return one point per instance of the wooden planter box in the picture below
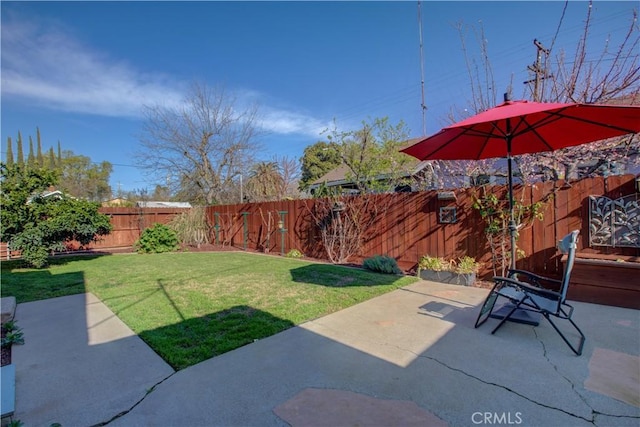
(448, 277)
(602, 279)
(8, 384)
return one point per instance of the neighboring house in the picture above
(50, 193)
(118, 202)
(163, 205)
(418, 174)
(416, 170)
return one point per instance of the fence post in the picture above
(281, 226)
(216, 226)
(245, 229)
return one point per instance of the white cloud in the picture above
(287, 122)
(279, 120)
(51, 69)
(46, 66)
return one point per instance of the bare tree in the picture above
(347, 222)
(205, 144)
(291, 173)
(611, 76)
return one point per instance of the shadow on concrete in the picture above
(415, 344)
(80, 364)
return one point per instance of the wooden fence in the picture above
(408, 229)
(127, 224)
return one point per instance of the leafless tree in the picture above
(611, 76)
(205, 144)
(347, 222)
(291, 173)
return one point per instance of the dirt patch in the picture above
(6, 351)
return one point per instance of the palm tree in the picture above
(265, 182)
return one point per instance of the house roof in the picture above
(338, 175)
(163, 204)
(46, 195)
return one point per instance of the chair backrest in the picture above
(568, 246)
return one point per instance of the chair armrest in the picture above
(534, 278)
(527, 287)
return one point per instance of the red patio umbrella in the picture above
(521, 127)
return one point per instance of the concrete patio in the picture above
(410, 357)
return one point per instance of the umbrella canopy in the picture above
(529, 127)
(522, 127)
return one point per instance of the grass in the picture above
(192, 306)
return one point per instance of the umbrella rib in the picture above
(450, 141)
(592, 122)
(533, 128)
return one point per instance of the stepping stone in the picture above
(8, 308)
(324, 407)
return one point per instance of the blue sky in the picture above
(81, 71)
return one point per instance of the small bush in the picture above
(466, 265)
(156, 239)
(294, 253)
(191, 227)
(13, 334)
(382, 264)
(434, 263)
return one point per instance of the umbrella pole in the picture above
(512, 222)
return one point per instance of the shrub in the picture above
(428, 262)
(191, 227)
(466, 265)
(38, 225)
(382, 264)
(156, 239)
(13, 334)
(294, 253)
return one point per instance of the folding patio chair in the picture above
(527, 291)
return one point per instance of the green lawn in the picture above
(191, 306)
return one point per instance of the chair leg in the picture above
(505, 318)
(578, 350)
(487, 308)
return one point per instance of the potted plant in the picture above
(460, 272)
(11, 335)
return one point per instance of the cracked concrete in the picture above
(80, 365)
(416, 346)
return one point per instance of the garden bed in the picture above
(606, 279)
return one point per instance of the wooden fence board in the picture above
(408, 230)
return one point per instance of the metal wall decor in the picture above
(614, 222)
(448, 215)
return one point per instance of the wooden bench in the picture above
(606, 279)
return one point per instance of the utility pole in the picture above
(538, 70)
(424, 107)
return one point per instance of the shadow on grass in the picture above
(33, 285)
(58, 259)
(194, 340)
(339, 277)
